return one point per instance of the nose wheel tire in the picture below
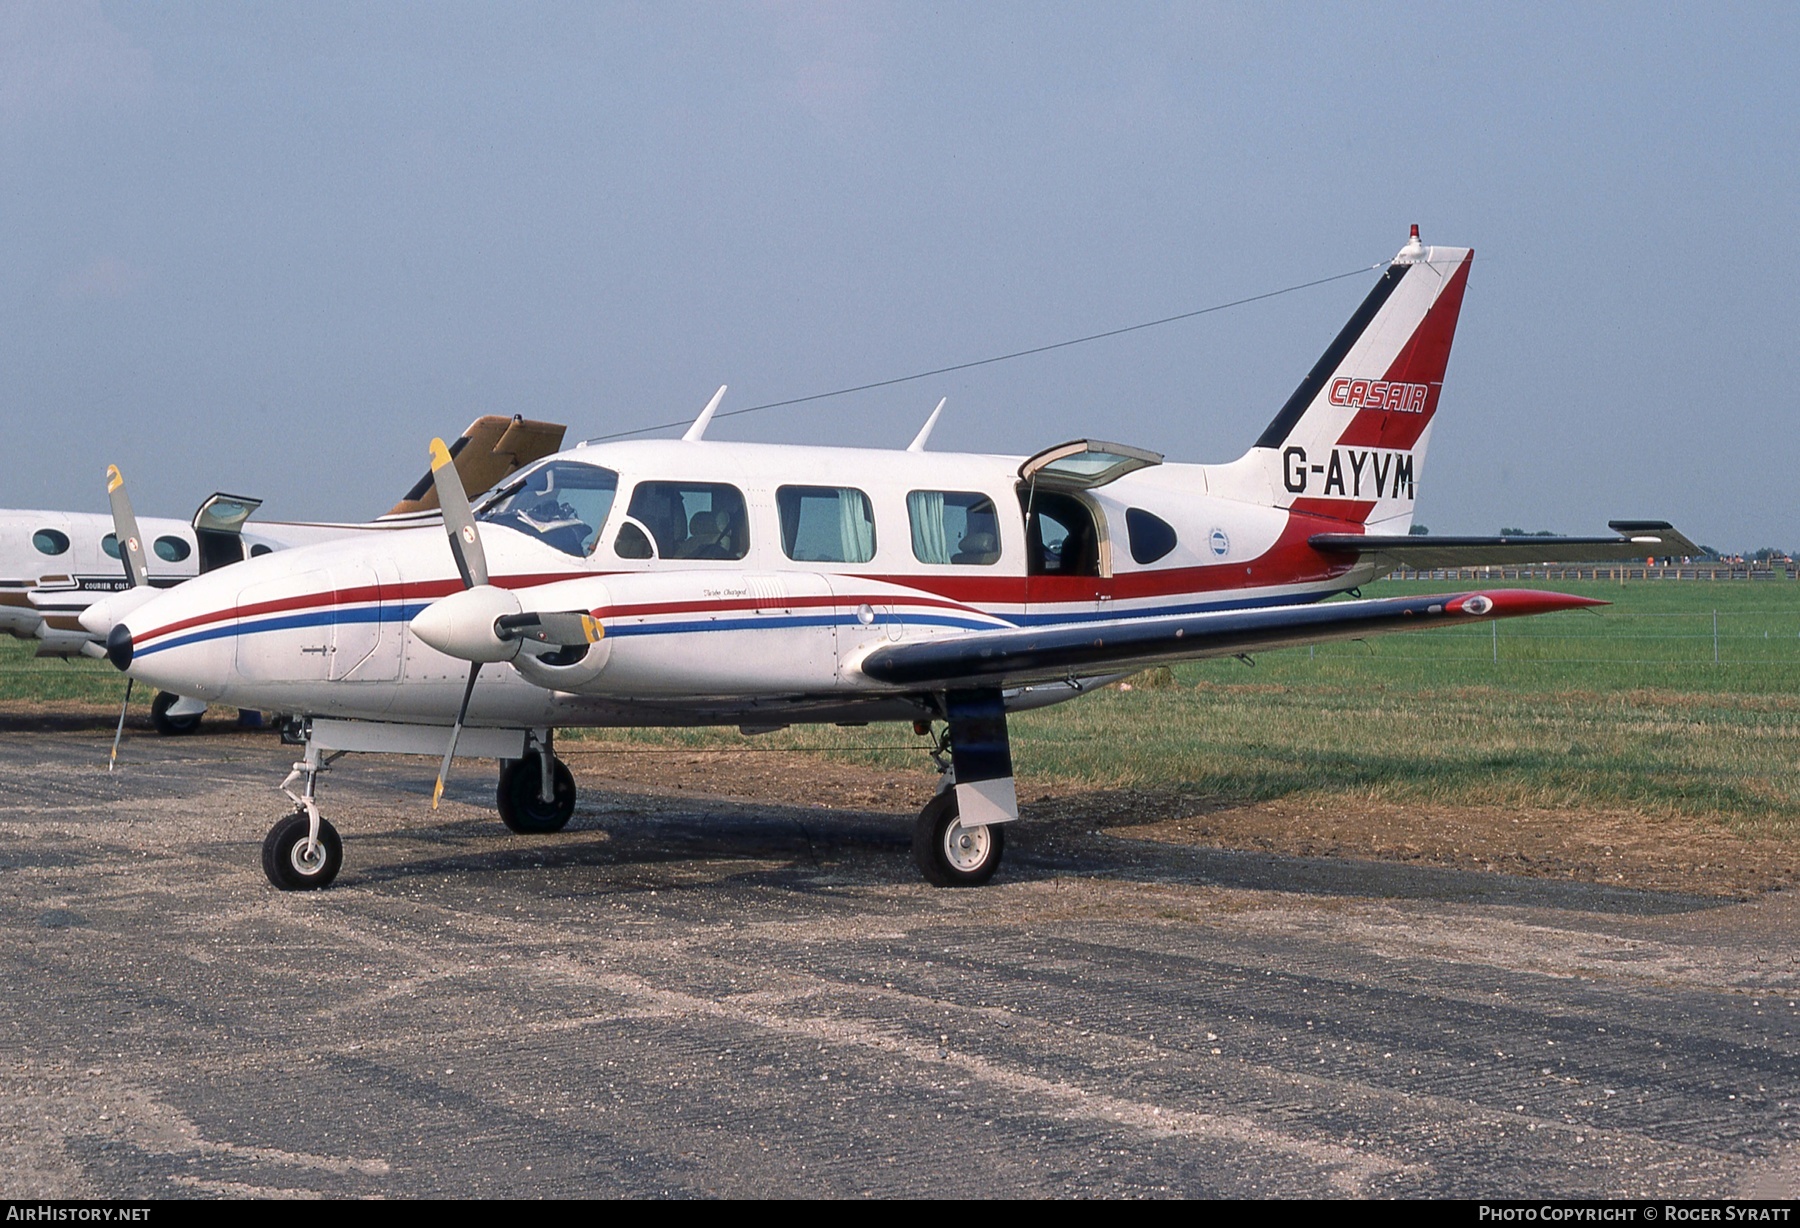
(951, 855)
(291, 865)
(520, 799)
(166, 724)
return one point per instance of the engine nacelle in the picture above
(462, 624)
(565, 668)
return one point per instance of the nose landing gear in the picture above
(303, 852)
(295, 859)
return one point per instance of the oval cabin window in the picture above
(50, 541)
(1151, 536)
(172, 549)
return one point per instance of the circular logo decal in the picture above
(468, 533)
(1221, 544)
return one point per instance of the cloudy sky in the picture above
(275, 248)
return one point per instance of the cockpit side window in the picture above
(562, 504)
(689, 520)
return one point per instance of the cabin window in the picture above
(172, 549)
(1060, 537)
(953, 526)
(1151, 536)
(50, 541)
(110, 544)
(689, 520)
(826, 524)
(562, 504)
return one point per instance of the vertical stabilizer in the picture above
(1350, 442)
(492, 448)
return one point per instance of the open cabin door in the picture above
(1068, 559)
(219, 529)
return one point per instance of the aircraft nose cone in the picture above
(119, 647)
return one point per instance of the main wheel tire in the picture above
(287, 862)
(171, 725)
(950, 855)
(519, 801)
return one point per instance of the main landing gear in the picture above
(525, 804)
(177, 722)
(303, 851)
(958, 838)
(949, 854)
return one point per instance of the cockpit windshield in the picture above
(562, 504)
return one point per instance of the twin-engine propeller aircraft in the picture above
(54, 565)
(688, 582)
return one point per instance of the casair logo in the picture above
(1353, 473)
(1379, 394)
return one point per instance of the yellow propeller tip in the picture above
(440, 455)
(114, 479)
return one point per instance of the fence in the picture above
(1619, 572)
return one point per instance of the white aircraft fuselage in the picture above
(762, 637)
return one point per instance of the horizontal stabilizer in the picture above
(1637, 539)
(1014, 656)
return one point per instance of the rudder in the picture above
(1349, 443)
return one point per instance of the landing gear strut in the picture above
(302, 852)
(958, 837)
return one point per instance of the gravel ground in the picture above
(709, 986)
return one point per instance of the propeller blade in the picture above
(455, 733)
(459, 522)
(565, 629)
(120, 732)
(125, 529)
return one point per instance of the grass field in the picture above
(1638, 706)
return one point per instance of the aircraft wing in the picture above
(1027, 654)
(1636, 539)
